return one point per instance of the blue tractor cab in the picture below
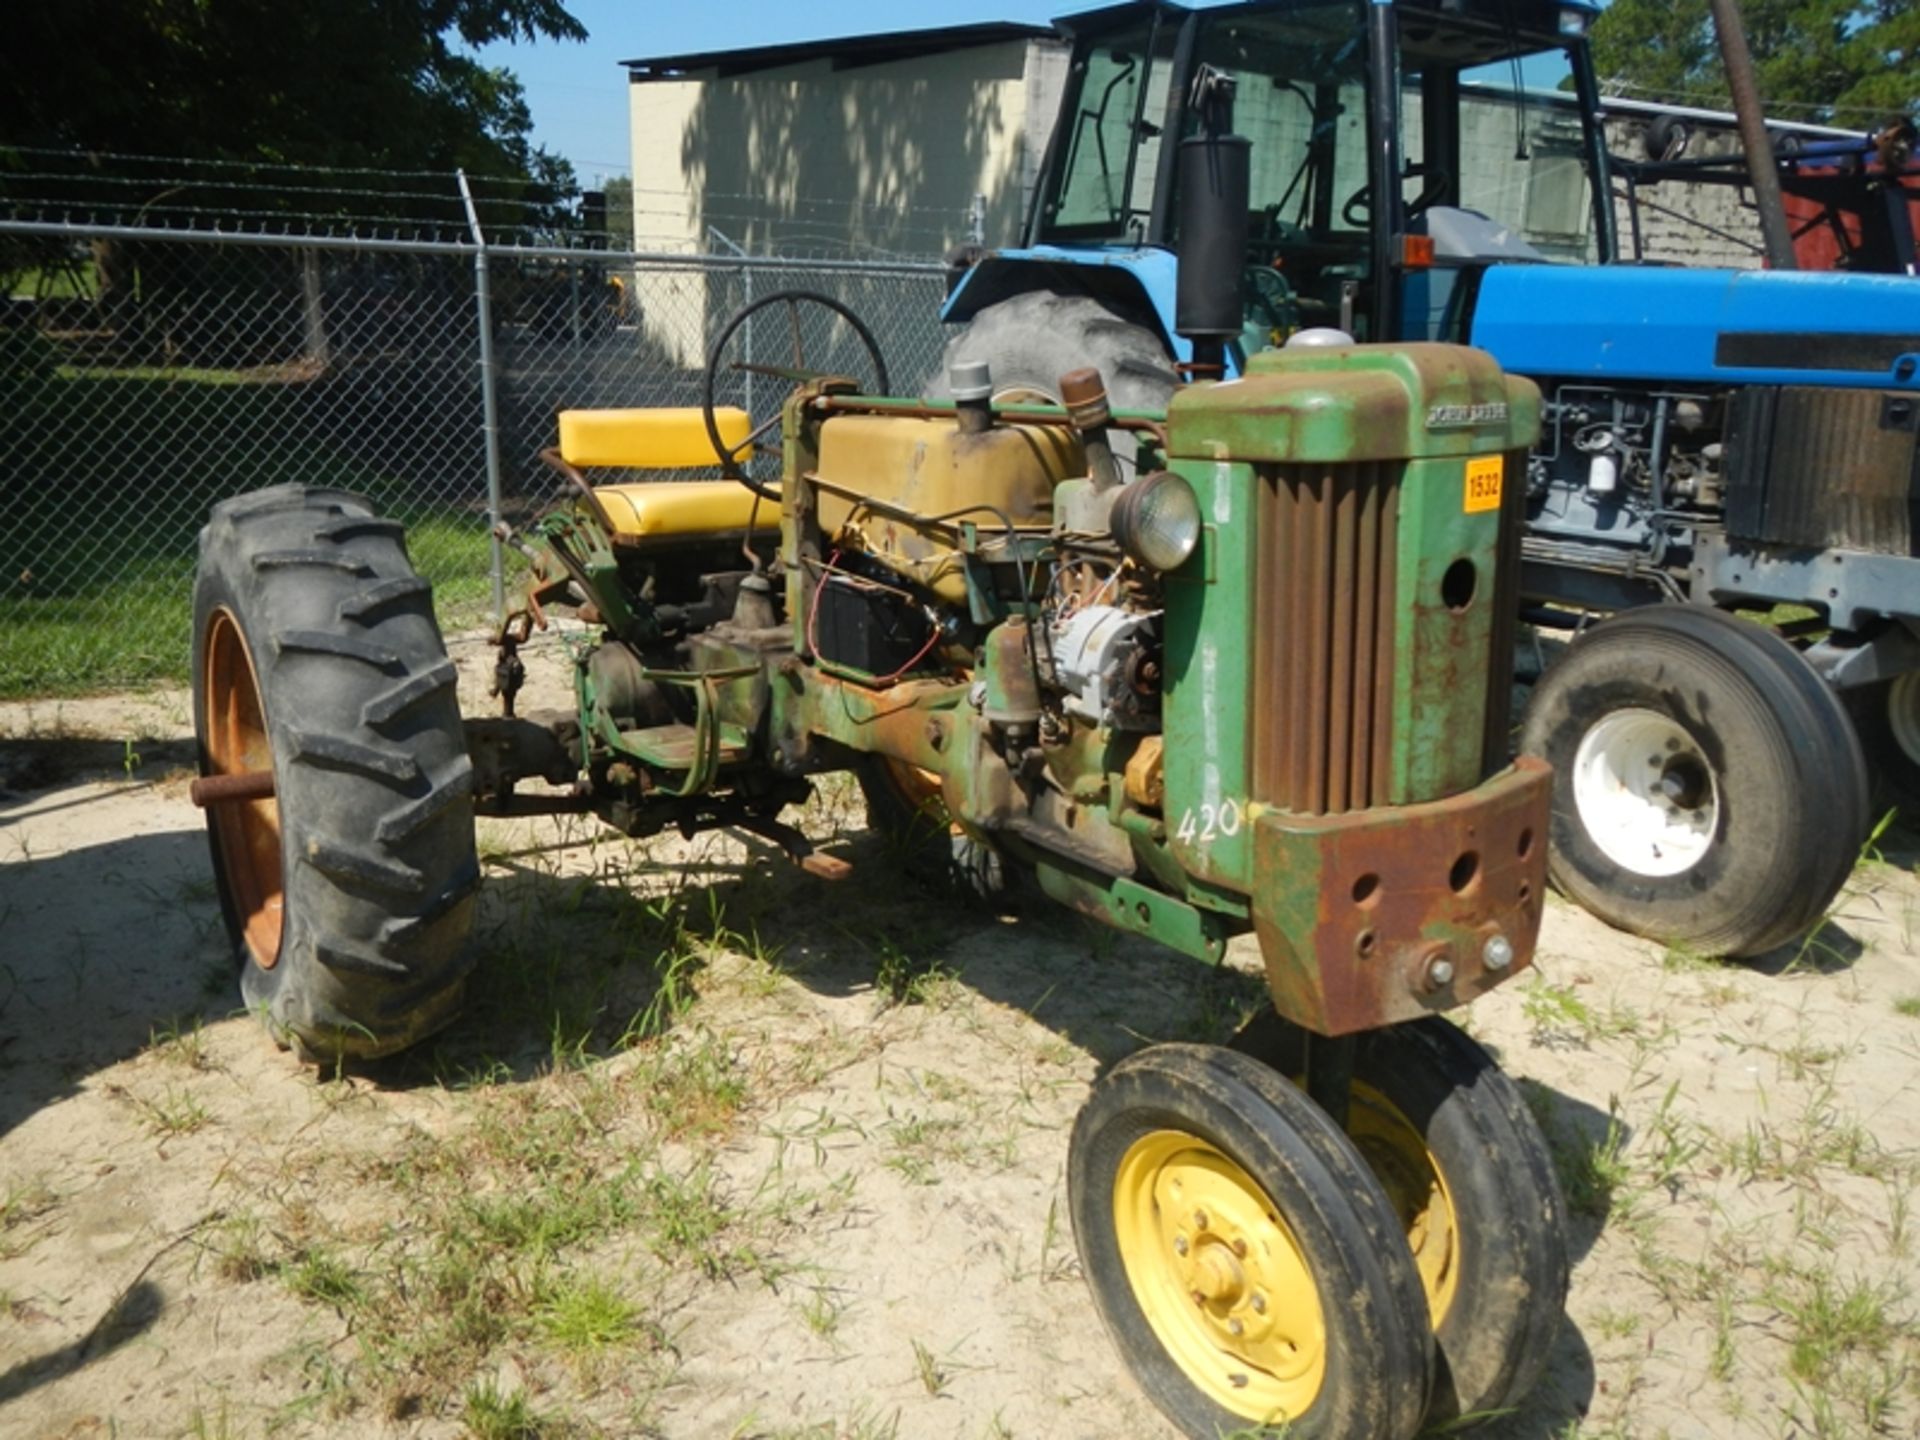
(1355, 112)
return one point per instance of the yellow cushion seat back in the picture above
(662, 439)
(683, 509)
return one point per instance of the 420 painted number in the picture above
(1204, 824)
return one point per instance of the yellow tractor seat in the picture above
(663, 439)
(683, 509)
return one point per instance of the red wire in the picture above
(813, 608)
(889, 679)
(813, 620)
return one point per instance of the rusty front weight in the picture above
(1377, 916)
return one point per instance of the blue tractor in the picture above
(1719, 446)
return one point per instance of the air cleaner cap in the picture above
(970, 380)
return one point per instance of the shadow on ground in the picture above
(31, 765)
(103, 945)
(132, 1315)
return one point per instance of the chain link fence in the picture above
(146, 373)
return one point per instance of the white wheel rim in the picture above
(1645, 793)
(1903, 713)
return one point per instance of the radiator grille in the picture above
(1323, 651)
(1824, 468)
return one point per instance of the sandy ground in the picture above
(867, 1095)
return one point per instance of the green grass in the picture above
(490, 1414)
(907, 980)
(21, 1203)
(323, 1277)
(172, 1113)
(584, 1317)
(112, 472)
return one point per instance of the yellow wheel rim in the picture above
(1397, 1154)
(1220, 1277)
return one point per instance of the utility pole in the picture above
(1761, 168)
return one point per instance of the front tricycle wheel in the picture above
(1471, 1182)
(1245, 1262)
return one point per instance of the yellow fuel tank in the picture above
(930, 467)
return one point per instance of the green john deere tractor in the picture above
(1247, 676)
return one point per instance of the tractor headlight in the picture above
(1156, 519)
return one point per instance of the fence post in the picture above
(489, 399)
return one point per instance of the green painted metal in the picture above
(1207, 703)
(1347, 404)
(580, 535)
(1441, 659)
(1429, 409)
(1128, 906)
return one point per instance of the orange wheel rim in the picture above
(918, 788)
(246, 833)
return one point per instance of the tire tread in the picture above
(379, 868)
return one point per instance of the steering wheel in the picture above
(831, 339)
(1270, 304)
(1359, 204)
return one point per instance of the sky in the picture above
(578, 92)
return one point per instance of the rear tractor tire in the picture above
(1244, 1260)
(1887, 716)
(348, 893)
(1029, 341)
(1709, 790)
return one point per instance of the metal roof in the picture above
(846, 52)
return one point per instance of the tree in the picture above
(376, 83)
(1853, 62)
(620, 213)
(233, 93)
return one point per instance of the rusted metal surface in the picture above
(1763, 172)
(909, 490)
(1012, 414)
(1355, 404)
(232, 788)
(916, 722)
(1324, 649)
(1371, 918)
(551, 458)
(506, 749)
(825, 867)
(1085, 396)
(236, 742)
